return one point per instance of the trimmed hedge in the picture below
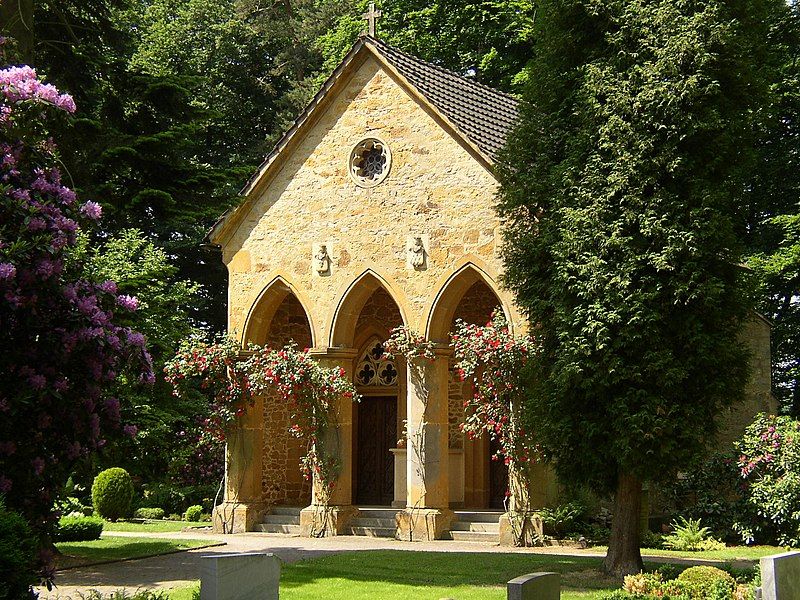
(112, 493)
(149, 513)
(73, 528)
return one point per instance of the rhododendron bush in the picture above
(231, 379)
(63, 342)
(494, 360)
(770, 466)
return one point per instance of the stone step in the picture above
(279, 519)
(479, 516)
(286, 510)
(276, 528)
(371, 522)
(473, 536)
(377, 513)
(477, 527)
(387, 532)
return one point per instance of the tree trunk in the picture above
(624, 557)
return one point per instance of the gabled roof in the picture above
(477, 114)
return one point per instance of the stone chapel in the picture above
(374, 210)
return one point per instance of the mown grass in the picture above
(153, 526)
(119, 548)
(729, 554)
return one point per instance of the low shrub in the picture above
(149, 513)
(125, 595)
(193, 513)
(563, 519)
(18, 556)
(76, 527)
(205, 518)
(174, 499)
(708, 582)
(689, 535)
(112, 493)
(175, 517)
(650, 539)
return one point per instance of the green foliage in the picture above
(112, 493)
(126, 595)
(770, 466)
(562, 519)
(149, 513)
(193, 513)
(708, 581)
(711, 489)
(18, 556)
(688, 535)
(650, 539)
(78, 528)
(175, 499)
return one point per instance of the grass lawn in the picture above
(727, 555)
(153, 526)
(119, 548)
(398, 575)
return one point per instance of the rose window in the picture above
(369, 162)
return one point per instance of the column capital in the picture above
(333, 352)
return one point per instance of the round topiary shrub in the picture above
(18, 555)
(705, 581)
(112, 493)
(193, 513)
(74, 528)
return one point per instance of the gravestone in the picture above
(780, 576)
(240, 577)
(535, 586)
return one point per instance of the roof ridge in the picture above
(431, 65)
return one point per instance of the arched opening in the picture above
(478, 481)
(278, 319)
(364, 321)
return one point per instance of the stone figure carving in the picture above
(322, 260)
(416, 253)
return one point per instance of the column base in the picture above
(521, 530)
(316, 521)
(423, 524)
(237, 517)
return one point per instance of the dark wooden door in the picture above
(498, 477)
(377, 433)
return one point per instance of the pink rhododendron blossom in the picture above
(7, 271)
(128, 302)
(130, 430)
(92, 210)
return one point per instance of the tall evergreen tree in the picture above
(622, 189)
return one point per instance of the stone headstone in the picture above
(780, 576)
(535, 586)
(240, 577)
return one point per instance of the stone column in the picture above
(314, 521)
(427, 515)
(243, 506)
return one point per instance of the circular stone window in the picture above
(370, 161)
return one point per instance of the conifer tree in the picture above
(622, 190)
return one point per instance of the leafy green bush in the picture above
(18, 550)
(112, 493)
(650, 539)
(193, 513)
(74, 528)
(708, 582)
(562, 519)
(125, 595)
(690, 536)
(176, 499)
(770, 465)
(149, 513)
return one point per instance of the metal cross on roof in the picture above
(371, 17)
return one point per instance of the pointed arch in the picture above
(349, 307)
(265, 306)
(451, 291)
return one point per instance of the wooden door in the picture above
(498, 478)
(377, 433)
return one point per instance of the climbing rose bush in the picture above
(770, 467)
(62, 337)
(404, 341)
(232, 379)
(494, 360)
